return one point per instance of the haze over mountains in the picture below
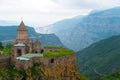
(60, 26)
(81, 31)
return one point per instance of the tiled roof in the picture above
(22, 26)
(20, 44)
(30, 55)
(22, 58)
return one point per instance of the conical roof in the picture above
(22, 26)
(37, 41)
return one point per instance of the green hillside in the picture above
(100, 58)
(113, 76)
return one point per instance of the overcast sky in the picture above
(45, 12)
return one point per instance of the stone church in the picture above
(26, 53)
(23, 44)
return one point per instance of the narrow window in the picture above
(36, 52)
(19, 52)
(52, 60)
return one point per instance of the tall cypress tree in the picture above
(1, 46)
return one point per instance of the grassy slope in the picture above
(102, 56)
(59, 53)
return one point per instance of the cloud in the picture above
(45, 12)
(37, 12)
(88, 4)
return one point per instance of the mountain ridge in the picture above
(8, 33)
(79, 32)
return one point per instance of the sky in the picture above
(39, 13)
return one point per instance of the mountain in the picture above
(79, 32)
(101, 58)
(8, 33)
(62, 29)
(8, 22)
(60, 26)
(94, 27)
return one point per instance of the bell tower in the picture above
(22, 31)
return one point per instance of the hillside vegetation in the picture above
(112, 76)
(100, 58)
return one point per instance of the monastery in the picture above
(25, 53)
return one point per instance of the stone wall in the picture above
(59, 60)
(23, 64)
(4, 61)
(56, 60)
(57, 68)
(60, 68)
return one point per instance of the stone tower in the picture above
(23, 44)
(37, 47)
(22, 31)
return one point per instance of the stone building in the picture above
(23, 44)
(26, 53)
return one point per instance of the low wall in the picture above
(4, 61)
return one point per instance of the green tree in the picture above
(7, 49)
(3, 74)
(12, 73)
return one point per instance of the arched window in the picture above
(42, 51)
(19, 52)
(36, 52)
